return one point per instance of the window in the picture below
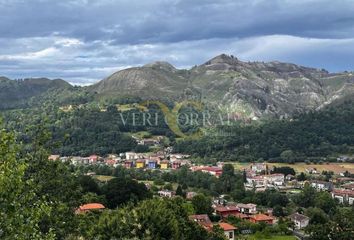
(231, 235)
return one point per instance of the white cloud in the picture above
(47, 52)
(87, 62)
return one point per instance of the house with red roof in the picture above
(228, 229)
(128, 164)
(203, 220)
(176, 164)
(93, 159)
(258, 218)
(110, 162)
(225, 211)
(242, 216)
(215, 171)
(89, 207)
(343, 195)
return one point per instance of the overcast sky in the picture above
(83, 41)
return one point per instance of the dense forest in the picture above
(82, 124)
(311, 135)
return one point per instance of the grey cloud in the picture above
(172, 21)
(84, 63)
(85, 40)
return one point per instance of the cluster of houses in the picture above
(159, 160)
(204, 221)
(258, 177)
(246, 212)
(344, 193)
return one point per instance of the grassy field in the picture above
(301, 167)
(103, 178)
(142, 134)
(128, 107)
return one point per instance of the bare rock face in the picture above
(253, 88)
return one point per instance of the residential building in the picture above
(349, 186)
(166, 193)
(215, 171)
(89, 207)
(110, 162)
(225, 211)
(176, 164)
(300, 221)
(343, 195)
(79, 160)
(128, 164)
(276, 179)
(242, 216)
(322, 185)
(131, 156)
(228, 229)
(54, 157)
(203, 220)
(152, 164)
(256, 182)
(258, 218)
(93, 159)
(164, 164)
(261, 181)
(311, 170)
(247, 208)
(148, 142)
(259, 167)
(140, 163)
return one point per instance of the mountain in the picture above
(253, 88)
(17, 93)
(156, 79)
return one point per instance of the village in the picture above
(258, 177)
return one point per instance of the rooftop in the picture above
(298, 217)
(226, 226)
(262, 217)
(91, 206)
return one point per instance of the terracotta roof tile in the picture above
(226, 226)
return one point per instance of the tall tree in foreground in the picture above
(150, 219)
(20, 208)
(55, 182)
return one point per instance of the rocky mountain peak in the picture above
(255, 88)
(161, 65)
(223, 58)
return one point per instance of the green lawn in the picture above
(103, 178)
(142, 134)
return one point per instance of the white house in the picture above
(258, 167)
(247, 208)
(166, 193)
(343, 195)
(299, 220)
(322, 185)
